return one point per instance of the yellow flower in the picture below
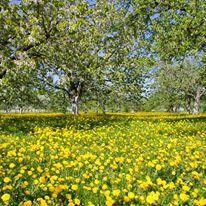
(27, 203)
(7, 187)
(36, 181)
(90, 204)
(96, 182)
(77, 201)
(95, 189)
(184, 197)
(110, 201)
(39, 169)
(6, 197)
(107, 193)
(201, 202)
(42, 202)
(7, 179)
(131, 195)
(12, 165)
(126, 199)
(104, 187)
(186, 188)
(171, 185)
(74, 187)
(152, 197)
(158, 167)
(54, 195)
(116, 193)
(68, 196)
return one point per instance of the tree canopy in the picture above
(103, 51)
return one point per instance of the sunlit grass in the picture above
(117, 159)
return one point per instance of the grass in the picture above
(117, 159)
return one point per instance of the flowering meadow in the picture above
(117, 159)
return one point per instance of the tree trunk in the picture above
(196, 102)
(196, 105)
(103, 105)
(2, 73)
(97, 107)
(199, 93)
(188, 102)
(174, 108)
(119, 107)
(75, 108)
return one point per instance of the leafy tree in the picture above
(175, 27)
(20, 90)
(95, 44)
(180, 85)
(26, 27)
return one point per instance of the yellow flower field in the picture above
(128, 159)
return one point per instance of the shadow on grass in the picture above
(194, 119)
(25, 124)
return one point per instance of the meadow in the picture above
(117, 159)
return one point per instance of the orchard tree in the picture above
(25, 28)
(94, 43)
(181, 85)
(175, 27)
(175, 30)
(20, 89)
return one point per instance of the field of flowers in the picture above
(128, 159)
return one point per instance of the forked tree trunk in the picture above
(97, 108)
(75, 102)
(175, 108)
(119, 107)
(188, 104)
(103, 105)
(2, 73)
(172, 108)
(199, 93)
(76, 89)
(196, 105)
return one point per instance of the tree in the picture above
(25, 27)
(175, 27)
(181, 85)
(94, 42)
(20, 90)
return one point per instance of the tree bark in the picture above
(188, 104)
(173, 108)
(75, 92)
(2, 73)
(97, 107)
(196, 105)
(75, 109)
(199, 93)
(119, 107)
(103, 105)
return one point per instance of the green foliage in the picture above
(177, 86)
(175, 27)
(102, 52)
